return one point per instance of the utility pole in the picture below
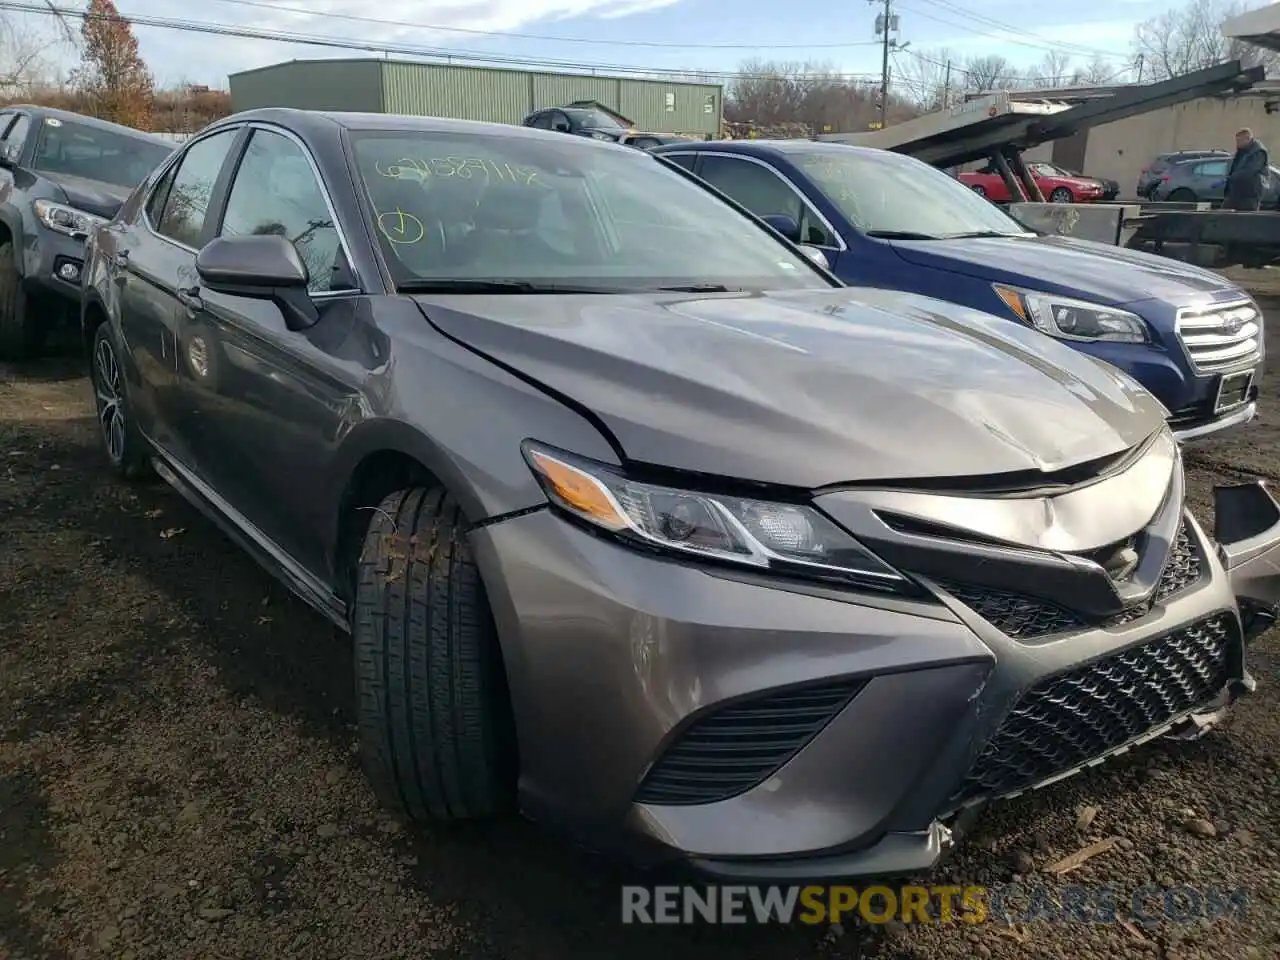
(886, 27)
(1141, 58)
(946, 87)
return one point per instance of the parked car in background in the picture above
(1056, 188)
(1149, 177)
(61, 174)
(1040, 168)
(598, 124)
(1204, 180)
(881, 219)
(639, 520)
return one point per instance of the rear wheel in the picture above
(1182, 195)
(1061, 195)
(979, 190)
(435, 722)
(124, 447)
(21, 338)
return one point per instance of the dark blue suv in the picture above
(881, 219)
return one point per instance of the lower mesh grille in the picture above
(1028, 618)
(731, 750)
(1072, 718)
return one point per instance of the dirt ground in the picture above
(178, 776)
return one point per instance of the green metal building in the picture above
(473, 93)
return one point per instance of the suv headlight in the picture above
(1070, 319)
(68, 220)
(784, 538)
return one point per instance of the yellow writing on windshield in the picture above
(463, 168)
(400, 227)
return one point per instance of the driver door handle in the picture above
(190, 298)
(122, 259)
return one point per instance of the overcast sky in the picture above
(713, 35)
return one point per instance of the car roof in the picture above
(86, 121)
(778, 148)
(321, 122)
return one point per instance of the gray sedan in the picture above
(642, 523)
(1204, 180)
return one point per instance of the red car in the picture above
(1055, 187)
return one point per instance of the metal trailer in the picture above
(998, 128)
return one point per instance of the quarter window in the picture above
(276, 192)
(1217, 168)
(765, 194)
(187, 204)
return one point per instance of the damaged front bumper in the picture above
(1246, 531)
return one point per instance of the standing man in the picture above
(1249, 168)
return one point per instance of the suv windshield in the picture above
(466, 207)
(80, 150)
(883, 193)
(593, 118)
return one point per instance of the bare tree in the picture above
(992, 72)
(1053, 71)
(931, 79)
(770, 95)
(1098, 72)
(28, 57)
(1190, 38)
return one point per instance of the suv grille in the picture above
(1221, 336)
(733, 749)
(1073, 718)
(1029, 618)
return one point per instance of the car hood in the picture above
(91, 196)
(1094, 271)
(812, 388)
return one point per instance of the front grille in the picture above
(1030, 618)
(1220, 336)
(733, 749)
(1070, 719)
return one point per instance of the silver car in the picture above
(641, 522)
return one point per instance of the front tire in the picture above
(1061, 195)
(20, 336)
(979, 190)
(434, 716)
(124, 446)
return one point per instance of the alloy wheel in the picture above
(109, 394)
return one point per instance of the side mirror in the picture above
(264, 268)
(784, 224)
(816, 255)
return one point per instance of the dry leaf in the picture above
(1133, 931)
(1075, 860)
(171, 532)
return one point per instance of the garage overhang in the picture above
(1259, 27)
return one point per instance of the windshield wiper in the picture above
(973, 234)
(700, 288)
(462, 285)
(902, 235)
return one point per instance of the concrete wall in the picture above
(1120, 150)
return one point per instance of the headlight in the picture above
(68, 220)
(1069, 319)
(785, 538)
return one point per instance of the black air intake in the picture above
(728, 751)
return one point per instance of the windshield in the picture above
(109, 156)
(884, 193)
(467, 207)
(594, 118)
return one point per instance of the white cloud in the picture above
(204, 58)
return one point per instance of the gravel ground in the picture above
(178, 776)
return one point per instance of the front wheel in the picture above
(21, 336)
(1061, 195)
(979, 190)
(434, 716)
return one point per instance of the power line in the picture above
(1011, 34)
(506, 34)
(447, 55)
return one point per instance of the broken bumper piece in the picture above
(1247, 533)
